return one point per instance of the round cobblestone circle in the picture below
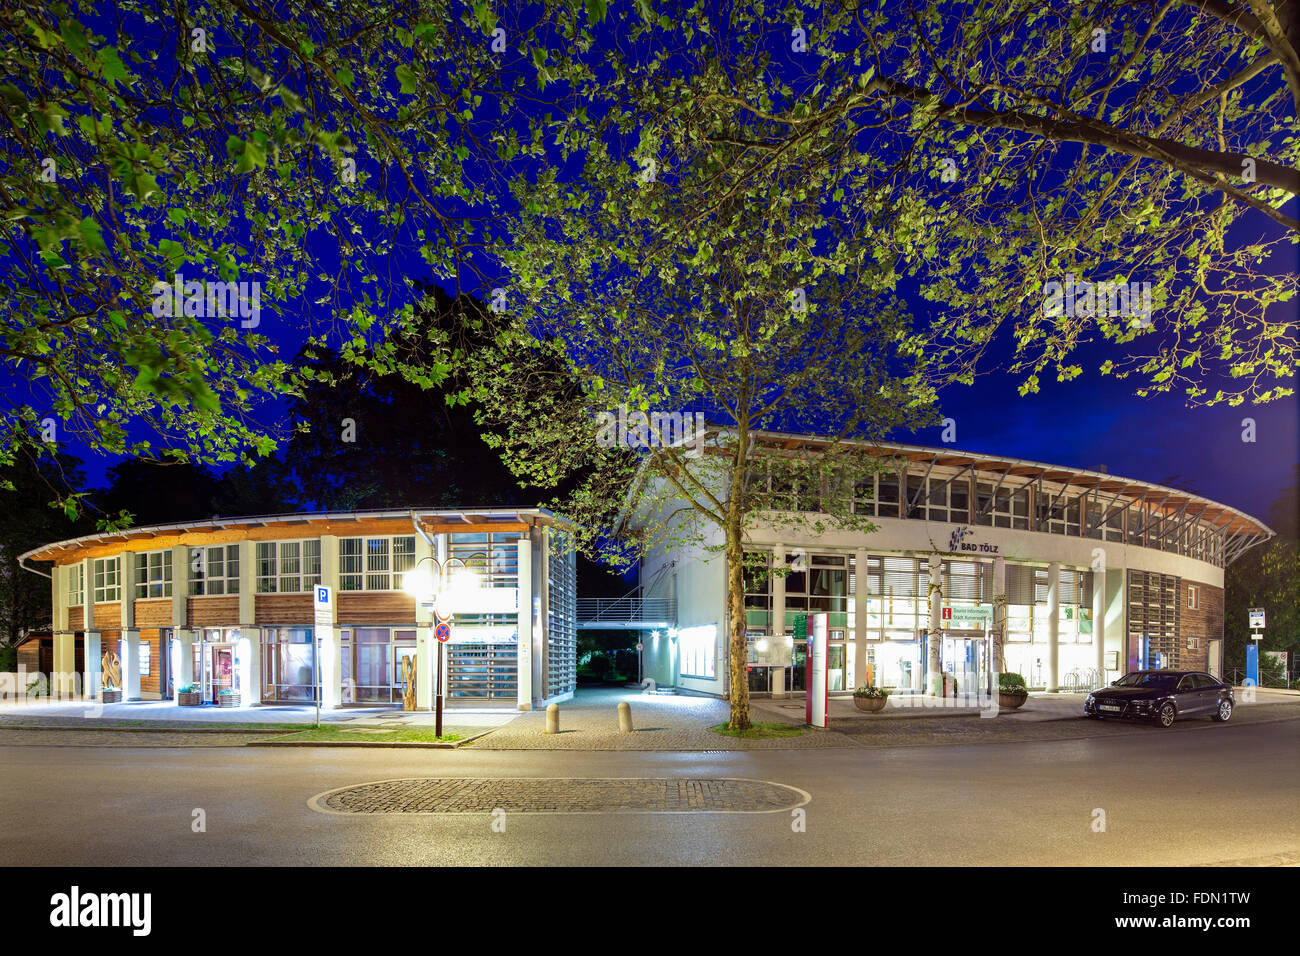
(561, 795)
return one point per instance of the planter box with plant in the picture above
(189, 696)
(1012, 691)
(228, 698)
(111, 695)
(870, 698)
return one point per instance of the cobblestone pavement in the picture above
(590, 722)
(560, 795)
(122, 738)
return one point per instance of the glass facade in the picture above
(958, 496)
(214, 570)
(153, 574)
(288, 664)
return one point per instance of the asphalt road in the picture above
(1205, 795)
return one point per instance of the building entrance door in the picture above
(220, 672)
(966, 658)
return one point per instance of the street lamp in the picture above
(429, 586)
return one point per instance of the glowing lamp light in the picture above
(420, 583)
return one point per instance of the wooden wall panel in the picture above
(108, 614)
(284, 610)
(153, 612)
(151, 683)
(381, 608)
(76, 618)
(222, 611)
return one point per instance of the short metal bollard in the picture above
(624, 717)
(552, 718)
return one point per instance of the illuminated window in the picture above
(76, 584)
(287, 566)
(153, 574)
(214, 570)
(107, 573)
(698, 649)
(375, 564)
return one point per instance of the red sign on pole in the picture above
(443, 631)
(947, 614)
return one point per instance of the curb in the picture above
(393, 744)
(147, 730)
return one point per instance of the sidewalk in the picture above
(166, 713)
(1040, 706)
(679, 723)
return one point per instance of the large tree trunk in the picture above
(739, 651)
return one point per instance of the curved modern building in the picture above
(231, 607)
(1082, 574)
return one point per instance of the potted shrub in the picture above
(1012, 691)
(111, 694)
(187, 695)
(228, 698)
(870, 698)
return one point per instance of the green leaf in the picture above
(406, 77)
(92, 236)
(486, 16)
(596, 10)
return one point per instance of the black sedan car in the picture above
(1162, 696)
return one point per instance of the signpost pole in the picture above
(437, 703)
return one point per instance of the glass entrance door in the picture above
(221, 671)
(835, 668)
(966, 659)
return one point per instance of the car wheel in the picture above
(1224, 711)
(1167, 714)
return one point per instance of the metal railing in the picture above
(627, 612)
(1237, 677)
(1082, 680)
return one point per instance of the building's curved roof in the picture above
(1223, 517)
(1241, 531)
(431, 520)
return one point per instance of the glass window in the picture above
(107, 574)
(153, 574)
(375, 564)
(214, 570)
(288, 566)
(698, 651)
(76, 584)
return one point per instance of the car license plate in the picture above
(1114, 707)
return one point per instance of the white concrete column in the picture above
(524, 624)
(181, 589)
(933, 676)
(63, 681)
(130, 665)
(1099, 619)
(87, 594)
(426, 666)
(778, 592)
(59, 596)
(1054, 626)
(94, 663)
(541, 543)
(999, 637)
(185, 666)
(248, 649)
(330, 664)
(860, 617)
(129, 561)
(329, 644)
(248, 584)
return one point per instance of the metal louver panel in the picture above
(1020, 584)
(900, 577)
